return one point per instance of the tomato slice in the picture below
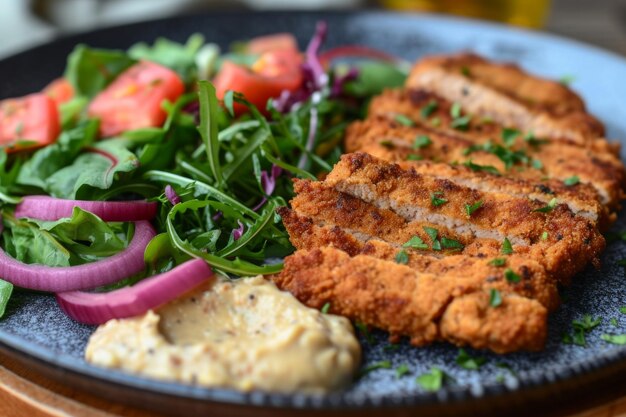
(59, 90)
(33, 120)
(269, 76)
(133, 100)
(269, 43)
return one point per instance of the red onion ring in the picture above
(98, 308)
(95, 274)
(49, 208)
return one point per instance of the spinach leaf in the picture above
(86, 235)
(29, 244)
(46, 161)
(180, 58)
(374, 77)
(96, 168)
(91, 70)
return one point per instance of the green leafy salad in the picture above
(207, 141)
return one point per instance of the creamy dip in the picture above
(244, 334)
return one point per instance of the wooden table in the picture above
(25, 393)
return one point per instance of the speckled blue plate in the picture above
(36, 332)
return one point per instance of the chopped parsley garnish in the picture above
(544, 236)
(325, 308)
(509, 136)
(429, 108)
(431, 232)
(392, 346)
(433, 380)
(573, 180)
(375, 366)
(435, 121)
(613, 322)
(495, 299)
(458, 122)
(581, 328)
(622, 262)
(511, 276)
(387, 144)
(587, 323)
(485, 168)
(548, 207)
(505, 154)
(616, 339)
(455, 110)
(507, 248)
(416, 243)
(537, 164)
(421, 141)
(414, 157)
(402, 370)
(404, 120)
(364, 332)
(471, 208)
(435, 199)
(497, 262)
(533, 141)
(461, 123)
(464, 360)
(622, 309)
(447, 243)
(465, 71)
(436, 245)
(402, 257)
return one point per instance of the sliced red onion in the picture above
(311, 55)
(341, 80)
(95, 274)
(98, 308)
(238, 232)
(268, 181)
(171, 195)
(43, 207)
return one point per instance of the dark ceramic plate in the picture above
(38, 333)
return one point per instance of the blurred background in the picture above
(26, 23)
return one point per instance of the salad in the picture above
(168, 161)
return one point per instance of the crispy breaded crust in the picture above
(473, 271)
(571, 240)
(405, 302)
(596, 163)
(508, 95)
(386, 140)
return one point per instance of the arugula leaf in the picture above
(91, 70)
(208, 128)
(6, 288)
(50, 159)
(178, 57)
(96, 168)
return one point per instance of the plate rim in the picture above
(526, 380)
